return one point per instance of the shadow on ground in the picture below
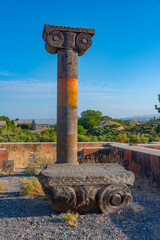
(18, 175)
(24, 207)
(143, 222)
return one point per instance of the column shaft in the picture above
(67, 102)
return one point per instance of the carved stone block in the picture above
(87, 187)
(59, 38)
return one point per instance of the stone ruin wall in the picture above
(143, 159)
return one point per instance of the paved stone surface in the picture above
(26, 218)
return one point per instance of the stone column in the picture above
(68, 43)
(71, 187)
(67, 103)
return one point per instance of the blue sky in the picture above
(119, 75)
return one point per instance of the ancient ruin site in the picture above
(68, 171)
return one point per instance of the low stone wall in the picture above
(25, 153)
(152, 145)
(141, 160)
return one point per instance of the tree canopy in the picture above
(156, 107)
(90, 119)
(4, 118)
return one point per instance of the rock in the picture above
(110, 123)
(8, 166)
(87, 187)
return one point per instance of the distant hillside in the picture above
(142, 118)
(133, 122)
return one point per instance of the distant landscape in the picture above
(143, 118)
(92, 127)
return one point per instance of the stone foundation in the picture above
(87, 187)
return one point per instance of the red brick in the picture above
(3, 156)
(128, 155)
(135, 168)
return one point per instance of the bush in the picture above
(83, 138)
(25, 126)
(2, 187)
(69, 218)
(31, 187)
(81, 130)
(122, 138)
(93, 138)
(30, 170)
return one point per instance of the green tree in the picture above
(25, 126)
(156, 107)
(90, 119)
(4, 118)
(81, 130)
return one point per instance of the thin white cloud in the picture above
(98, 96)
(97, 92)
(6, 73)
(28, 88)
(33, 88)
(95, 88)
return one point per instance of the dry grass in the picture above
(31, 187)
(136, 208)
(20, 157)
(39, 157)
(2, 187)
(69, 218)
(3, 173)
(30, 170)
(111, 158)
(145, 185)
(43, 156)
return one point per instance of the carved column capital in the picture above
(58, 38)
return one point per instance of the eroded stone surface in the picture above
(87, 187)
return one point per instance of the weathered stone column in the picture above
(68, 43)
(67, 103)
(71, 187)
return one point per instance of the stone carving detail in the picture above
(84, 199)
(84, 41)
(55, 39)
(113, 197)
(59, 38)
(48, 28)
(62, 198)
(87, 187)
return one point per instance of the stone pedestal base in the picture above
(87, 187)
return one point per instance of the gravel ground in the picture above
(33, 218)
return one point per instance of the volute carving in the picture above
(58, 38)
